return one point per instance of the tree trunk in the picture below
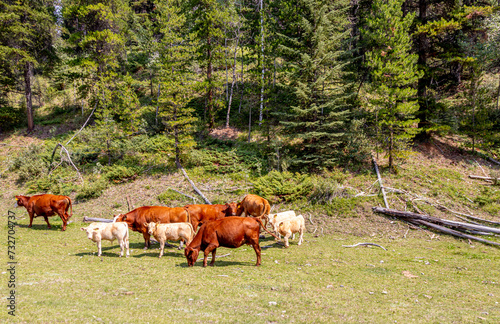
(242, 84)
(157, 104)
(262, 62)
(28, 94)
(422, 62)
(211, 120)
(249, 124)
(234, 78)
(498, 92)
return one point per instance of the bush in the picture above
(283, 186)
(92, 189)
(10, 117)
(31, 163)
(120, 173)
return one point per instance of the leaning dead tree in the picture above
(380, 182)
(458, 229)
(179, 166)
(63, 149)
(96, 219)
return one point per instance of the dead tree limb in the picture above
(69, 160)
(358, 244)
(380, 182)
(85, 124)
(483, 178)
(179, 166)
(191, 197)
(95, 219)
(129, 203)
(455, 233)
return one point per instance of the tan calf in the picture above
(109, 232)
(291, 226)
(276, 219)
(173, 232)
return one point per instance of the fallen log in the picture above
(458, 225)
(483, 178)
(454, 233)
(95, 219)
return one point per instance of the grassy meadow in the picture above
(61, 279)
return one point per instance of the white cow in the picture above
(275, 219)
(110, 232)
(172, 231)
(291, 226)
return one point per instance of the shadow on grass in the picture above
(219, 263)
(42, 227)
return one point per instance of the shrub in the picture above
(31, 163)
(10, 117)
(120, 173)
(92, 189)
(283, 186)
(170, 196)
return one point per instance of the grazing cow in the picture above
(147, 214)
(47, 205)
(200, 214)
(172, 232)
(230, 232)
(255, 206)
(275, 219)
(291, 226)
(110, 232)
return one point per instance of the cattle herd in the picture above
(220, 225)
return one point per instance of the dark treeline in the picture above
(324, 82)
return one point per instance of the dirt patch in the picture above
(225, 133)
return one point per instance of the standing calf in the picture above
(110, 232)
(173, 232)
(291, 226)
(276, 219)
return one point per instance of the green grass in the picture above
(60, 278)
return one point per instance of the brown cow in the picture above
(230, 232)
(46, 205)
(147, 214)
(200, 214)
(255, 206)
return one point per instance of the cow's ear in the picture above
(95, 229)
(83, 228)
(146, 224)
(239, 206)
(124, 218)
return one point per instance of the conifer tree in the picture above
(313, 49)
(26, 30)
(176, 76)
(393, 75)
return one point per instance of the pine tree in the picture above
(26, 30)
(313, 49)
(176, 76)
(393, 75)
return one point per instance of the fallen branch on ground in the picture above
(191, 197)
(439, 224)
(95, 219)
(483, 178)
(358, 244)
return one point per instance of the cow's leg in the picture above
(122, 243)
(180, 244)
(147, 242)
(287, 236)
(65, 222)
(47, 221)
(257, 250)
(126, 245)
(31, 219)
(162, 246)
(211, 248)
(99, 252)
(301, 236)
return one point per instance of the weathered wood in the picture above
(96, 219)
(358, 244)
(380, 182)
(454, 233)
(129, 204)
(482, 178)
(193, 198)
(179, 166)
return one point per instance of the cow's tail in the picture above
(265, 229)
(188, 216)
(70, 206)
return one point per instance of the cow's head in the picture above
(191, 255)
(233, 209)
(151, 227)
(22, 201)
(120, 218)
(90, 231)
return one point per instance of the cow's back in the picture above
(231, 231)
